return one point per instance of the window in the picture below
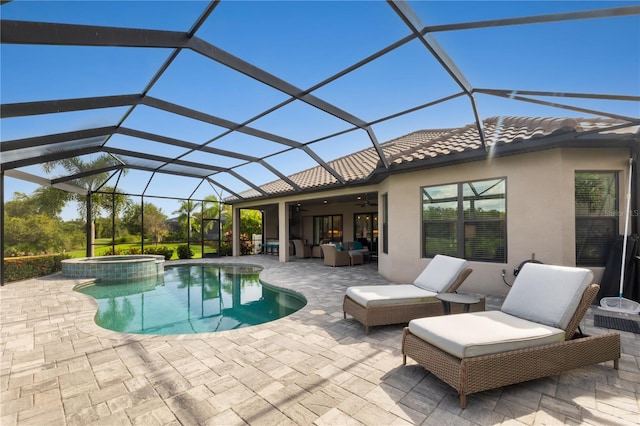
(365, 229)
(327, 228)
(596, 216)
(465, 220)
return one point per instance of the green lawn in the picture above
(104, 244)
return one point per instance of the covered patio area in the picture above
(313, 367)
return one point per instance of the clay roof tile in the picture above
(426, 144)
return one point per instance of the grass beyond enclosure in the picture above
(103, 246)
(22, 268)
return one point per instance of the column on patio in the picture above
(235, 231)
(283, 231)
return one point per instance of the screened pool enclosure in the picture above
(209, 102)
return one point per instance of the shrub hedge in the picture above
(22, 268)
(184, 252)
(165, 251)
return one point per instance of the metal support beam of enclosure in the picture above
(2, 227)
(89, 227)
(635, 193)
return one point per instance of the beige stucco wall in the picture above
(540, 211)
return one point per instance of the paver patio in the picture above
(313, 367)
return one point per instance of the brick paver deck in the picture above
(313, 367)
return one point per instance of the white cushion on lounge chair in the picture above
(441, 273)
(547, 294)
(483, 333)
(393, 294)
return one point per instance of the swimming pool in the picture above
(191, 299)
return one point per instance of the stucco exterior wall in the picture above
(540, 211)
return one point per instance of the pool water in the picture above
(191, 299)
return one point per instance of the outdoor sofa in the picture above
(375, 305)
(532, 336)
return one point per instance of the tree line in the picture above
(33, 223)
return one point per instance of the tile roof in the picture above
(428, 144)
(500, 130)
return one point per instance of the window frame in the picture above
(371, 221)
(318, 231)
(614, 217)
(461, 220)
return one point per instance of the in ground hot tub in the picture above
(115, 268)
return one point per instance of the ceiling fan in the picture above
(299, 208)
(366, 202)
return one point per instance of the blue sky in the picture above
(305, 43)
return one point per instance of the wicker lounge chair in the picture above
(400, 303)
(540, 316)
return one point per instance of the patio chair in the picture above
(333, 257)
(400, 303)
(356, 257)
(316, 251)
(532, 336)
(302, 250)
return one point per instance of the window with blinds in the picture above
(466, 220)
(597, 216)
